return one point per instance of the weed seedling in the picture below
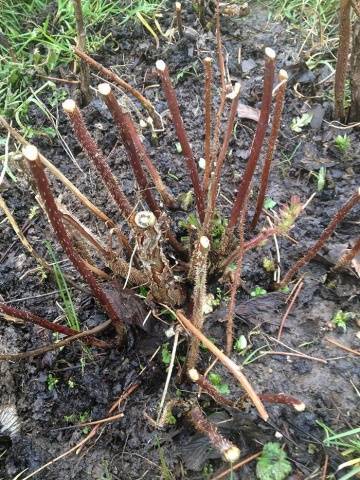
(165, 354)
(272, 463)
(240, 344)
(218, 383)
(51, 381)
(298, 123)
(342, 143)
(341, 319)
(258, 292)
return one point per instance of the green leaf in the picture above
(165, 354)
(269, 203)
(298, 123)
(273, 463)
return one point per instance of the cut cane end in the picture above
(270, 53)
(160, 65)
(69, 106)
(104, 89)
(30, 152)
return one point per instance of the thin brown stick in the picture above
(279, 105)
(135, 147)
(342, 57)
(347, 257)
(316, 359)
(325, 467)
(113, 78)
(288, 310)
(81, 45)
(66, 182)
(234, 288)
(54, 346)
(77, 448)
(227, 362)
(257, 142)
(329, 230)
(40, 260)
(95, 155)
(238, 465)
(170, 95)
(342, 346)
(228, 450)
(31, 154)
(30, 317)
(99, 422)
(208, 111)
(179, 19)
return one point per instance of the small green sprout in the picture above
(272, 463)
(71, 383)
(178, 147)
(186, 199)
(34, 210)
(240, 344)
(341, 318)
(51, 382)
(268, 264)
(143, 291)
(320, 178)
(218, 228)
(343, 143)
(258, 292)
(221, 387)
(269, 203)
(298, 123)
(165, 354)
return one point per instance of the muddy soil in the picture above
(86, 382)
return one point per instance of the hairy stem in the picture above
(226, 361)
(30, 317)
(112, 77)
(95, 155)
(234, 288)
(342, 57)
(329, 230)
(279, 105)
(170, 95)
(208, 110)
(54, 346)
(81, 45)
(228, 450)
(257, 142)
(200, 259)
(31, 154)
(349, 256)
(134, 146)
(66, 182)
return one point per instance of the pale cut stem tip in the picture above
(208, 60)
(145, 219)
(202, 163)
(104, 89)
(270, 53)
(232, 454)
(299, 407)
(30, 152)
(235, 92)
(204, 242)
(178, 6)
(160, 65)
(283, 75)
(69, 106)
(193, 374)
